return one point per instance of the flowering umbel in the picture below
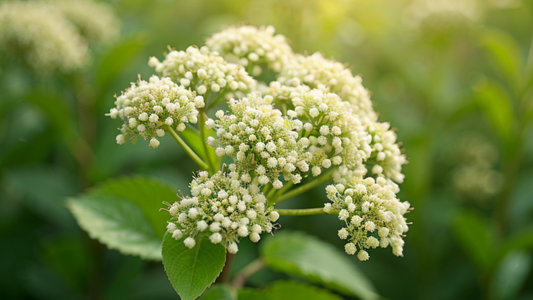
(264, 142)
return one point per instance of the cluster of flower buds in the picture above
(223, 207)
(260, 139)
(54, 35)
(372, 214)
(313, 123)
(147, 107)
(205, 72)
(252, 47)
(315, 70)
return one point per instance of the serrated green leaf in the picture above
(191, 271)
(117, 223)
(473, 233)
(220, 292)
(147, 193)
(124, 214)
(303, 255)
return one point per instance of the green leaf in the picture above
(56, 110)
(124, 215)
(294, 290)
(287, 290)
(497, 106)
(191, 271)
(46, 197)
(118, 58)
(511, 275)
(473, 233)
(303, 255)
(523, 240)
(254, 294)
(504, 53)
(220, 292)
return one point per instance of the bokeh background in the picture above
(455, 77)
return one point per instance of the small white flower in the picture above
(189, 242)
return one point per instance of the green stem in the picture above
(305, 212)
(304, 188)
(271, 193)
(242, 277)
(280, 192)
(187, 149)
(203, 118)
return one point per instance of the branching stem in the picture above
(187, 149)
(304, 188)
(305, 212)
(201, 125)
(242, 277)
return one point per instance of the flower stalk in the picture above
(187, 149)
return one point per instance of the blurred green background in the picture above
(454, 77)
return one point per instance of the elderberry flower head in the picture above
(104, 28)
(39, 34)
(386, 159)
(252, 47)
(205, 72)
(147, 107)
(222, 207)
(331, 133)
(372, 214)
(315, 70)
(260, 140)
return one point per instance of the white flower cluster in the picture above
(260, 139)
(319, 72)
(252, 47)
(315, 70)
(372, 214)
(147, 107)
(222, 207)
(331, 133)
(205, 72)
(95, 20)
(387, 158)
(475, 175)
(441, 14)
(315, 116)
(39, 34)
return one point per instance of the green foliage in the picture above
(287, 290)
(476, 238)
(511, 275)
(124, 214)
(191, 271)
(306, 256)
(220, 292)
(120, 57)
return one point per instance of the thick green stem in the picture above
(187, 149)
(304, 188)
(203, 118)
(305, 212)
(280, 192)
